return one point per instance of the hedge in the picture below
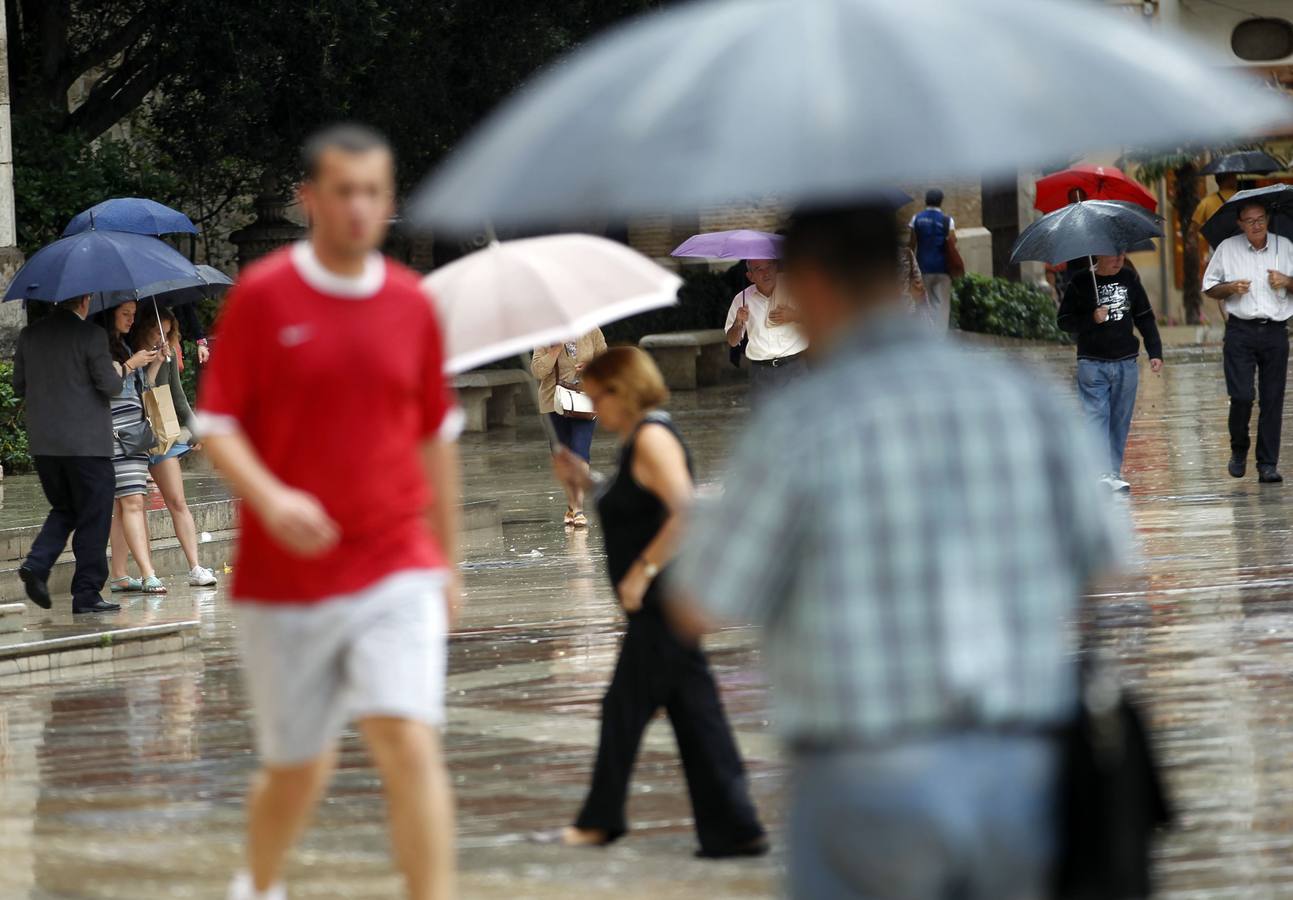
(13, 432)
(1006, 308)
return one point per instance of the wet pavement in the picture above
(125, 779)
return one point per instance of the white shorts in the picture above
(310, 668)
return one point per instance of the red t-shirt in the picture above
(337, 383)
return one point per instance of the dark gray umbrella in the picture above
(1278, 200)
(1243, 162)
(1087, 228)
(677, 110)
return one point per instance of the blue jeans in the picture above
(957, 817)
(1108, 391)
(577, 434)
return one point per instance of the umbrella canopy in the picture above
(1096, 183)
(1244, 162)
(173, 292)
(109, 262)
(1278, 200)
(133, 214)
(655, 116)
(513, 296)
(1087, 228)
(739, 244)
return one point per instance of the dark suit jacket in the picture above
(63, 370)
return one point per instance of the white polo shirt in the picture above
(767, 341)
(1236, 259)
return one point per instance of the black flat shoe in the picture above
(98, 606)
(1237, 467)
(1269, 475)
(756, 847)
(37, 587)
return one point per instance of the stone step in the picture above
(39, 657)
(212, 516)
(482, 524)
(12, 617)
(168, 560)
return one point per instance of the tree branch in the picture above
(115, 44)
(117, 96)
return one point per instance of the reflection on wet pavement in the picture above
(127, 781)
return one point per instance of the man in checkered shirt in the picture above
(913, 526)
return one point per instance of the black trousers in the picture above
(80, 491)
(655, 669)
(1253, 348)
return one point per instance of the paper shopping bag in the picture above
(160, 409)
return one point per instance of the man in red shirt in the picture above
(326, 408)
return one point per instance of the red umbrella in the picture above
(1096, 183)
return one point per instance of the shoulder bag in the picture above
(573, 403)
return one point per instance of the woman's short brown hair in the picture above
(630, 374)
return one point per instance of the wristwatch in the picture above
(650, 569)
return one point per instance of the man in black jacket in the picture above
(1101, 311)
(64, 371)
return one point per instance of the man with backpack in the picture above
(933, 237)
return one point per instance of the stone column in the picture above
(12, 316)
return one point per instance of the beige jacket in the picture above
(549, 369)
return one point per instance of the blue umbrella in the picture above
(108, 262)
(131, 214)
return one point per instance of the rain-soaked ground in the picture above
(126, 781)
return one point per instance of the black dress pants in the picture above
(80, 491)
(655, 669)
(1261, 349)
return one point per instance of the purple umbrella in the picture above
(740, 244)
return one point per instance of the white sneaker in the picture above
(200, 577)
(1115, 483)
(242, 888)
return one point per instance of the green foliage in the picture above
(1006, 308)
(703, 301)
(57, 175)
(13, 431)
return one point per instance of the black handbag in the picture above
(135, 438)
(1111, 796)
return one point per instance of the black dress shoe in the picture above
(37, 588)
(98, 604)
(1237, 467)
(756, 847)
(1269, 475)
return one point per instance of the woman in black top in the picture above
(641, 512)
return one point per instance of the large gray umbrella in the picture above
(726, 101)
(1086, 228)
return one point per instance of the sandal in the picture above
(153, 585)
(579, 520)
(126, 585)
(570, 516)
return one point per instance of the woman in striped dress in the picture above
(129, 522)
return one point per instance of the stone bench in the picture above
(489, 397)
(688, 359)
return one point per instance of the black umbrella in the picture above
(1244, 162)
(1087, 228)
(1278, 200)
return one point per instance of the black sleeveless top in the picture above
(631, 515)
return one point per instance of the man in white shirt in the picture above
(765, 315)
(1248, 277)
